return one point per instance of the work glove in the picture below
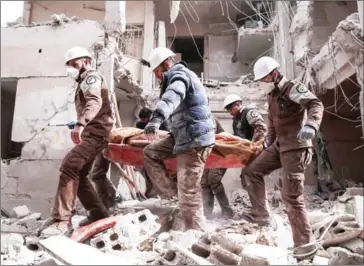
(71, 125)
(306, 133)
(151, 132)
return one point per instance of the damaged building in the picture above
(319, 43)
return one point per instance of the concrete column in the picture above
(115, 16)
(148, 45)
(27, 7)
(284, 39)
(361, 15)
(161, 34)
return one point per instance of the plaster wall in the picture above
(218, 63)
(135, 11)
(41, 11)
(40, 50)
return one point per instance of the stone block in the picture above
(30, 221)
(255, 254)
(20, 211)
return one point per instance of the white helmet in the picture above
(158, 55)
(231, 99)
(76, 52)
(264, 66)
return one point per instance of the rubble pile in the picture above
(56, 20)
(140, 236)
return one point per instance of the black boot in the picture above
(208, 202)
(221, 197)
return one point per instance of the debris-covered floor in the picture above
(135, 236)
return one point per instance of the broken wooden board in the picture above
(70, 252)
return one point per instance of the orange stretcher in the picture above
(229, 152)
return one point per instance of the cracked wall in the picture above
(44, 101)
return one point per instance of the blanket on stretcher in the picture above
(126, 147)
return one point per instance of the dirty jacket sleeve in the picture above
(171, 98)
(91, 88)
(256, 121)
(271, 134)
(300, 94)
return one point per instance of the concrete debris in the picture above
(318, 260)
(256, 254)
(342, 256)
(355, 246)
(20, 211)
(30, 221)
(130, 231)
(55, 20)
(137, 237)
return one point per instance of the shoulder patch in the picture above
(254, 114)
(301, 89)
(91, 79)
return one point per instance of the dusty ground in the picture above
(230, 242)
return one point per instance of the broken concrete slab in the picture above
(255, 254)
(355, 246)
(34, 205)
(71, 252)
(17, 229)
(30, 221)
(318, 260)
(20, 211)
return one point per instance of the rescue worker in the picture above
(144, 115)
(184, 103)
(212, 187)
(294, 115)
(247, 123)
(95, 119)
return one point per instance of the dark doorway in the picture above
(190, 53)
(9, 149)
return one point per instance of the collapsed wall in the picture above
(45, 98)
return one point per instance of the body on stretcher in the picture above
(126, 147)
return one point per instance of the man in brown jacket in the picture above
(95, 119)
(295, 115)
(248, 123)
(212, 187)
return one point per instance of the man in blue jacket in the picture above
(184, 103)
